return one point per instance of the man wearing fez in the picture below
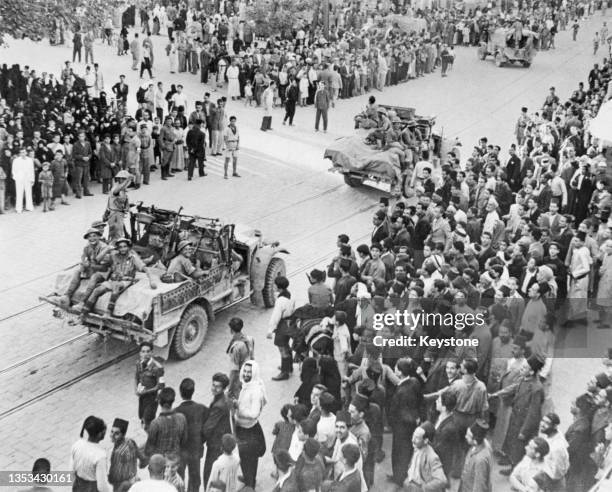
(124, 457)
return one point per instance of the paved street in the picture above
(285, 191)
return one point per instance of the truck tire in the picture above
(190, 332)
(351, 181)
(276, 268)
(526, 64)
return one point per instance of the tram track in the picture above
(133, 351)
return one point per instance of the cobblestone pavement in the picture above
(285, 191)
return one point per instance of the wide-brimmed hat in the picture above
(182, 245)
(92, 231)
(122, 240)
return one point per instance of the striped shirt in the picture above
(167, 434)
(123, 462)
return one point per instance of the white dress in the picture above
(233, 86)
(173, 58)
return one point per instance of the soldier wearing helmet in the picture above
(182, 263)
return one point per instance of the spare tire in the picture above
(190, 333)
(276, 268)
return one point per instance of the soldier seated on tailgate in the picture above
(94, 265)
(124, 263)
(182, 264)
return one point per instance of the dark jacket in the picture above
(218, 422)
(195, 414)
(525, 417)
(448, 444)
(196, 142)
(322, 100)
(406, 404)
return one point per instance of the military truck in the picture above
(509, 46)
(238, 263)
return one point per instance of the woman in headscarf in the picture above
(88, 458)
(309, 377)
(248, 408)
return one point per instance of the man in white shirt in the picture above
(160, 101)
(179, 98)
(23, 175)
(90, 82)
(305, 429)
(557, 459)
(156, 482)
(326, 426)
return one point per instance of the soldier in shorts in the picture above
(232, 145)
(124, 263)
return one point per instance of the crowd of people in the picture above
(367, 48)
(522, 242)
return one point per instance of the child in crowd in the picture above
(248, 93)
(45, 178)
(224, 472)
(282, 431)
(172, 476)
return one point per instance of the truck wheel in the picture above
(526, 64)
(190, 333)
(276, 268)
(351, 181)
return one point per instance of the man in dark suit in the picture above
(381, 230)
(196, 147)
(208, 108)
(403, 418)
(447, 441)
(528, 397)
(218, 422)
(513, 170)
(193, 449)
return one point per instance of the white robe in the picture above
(233, 86)
(578, 290)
